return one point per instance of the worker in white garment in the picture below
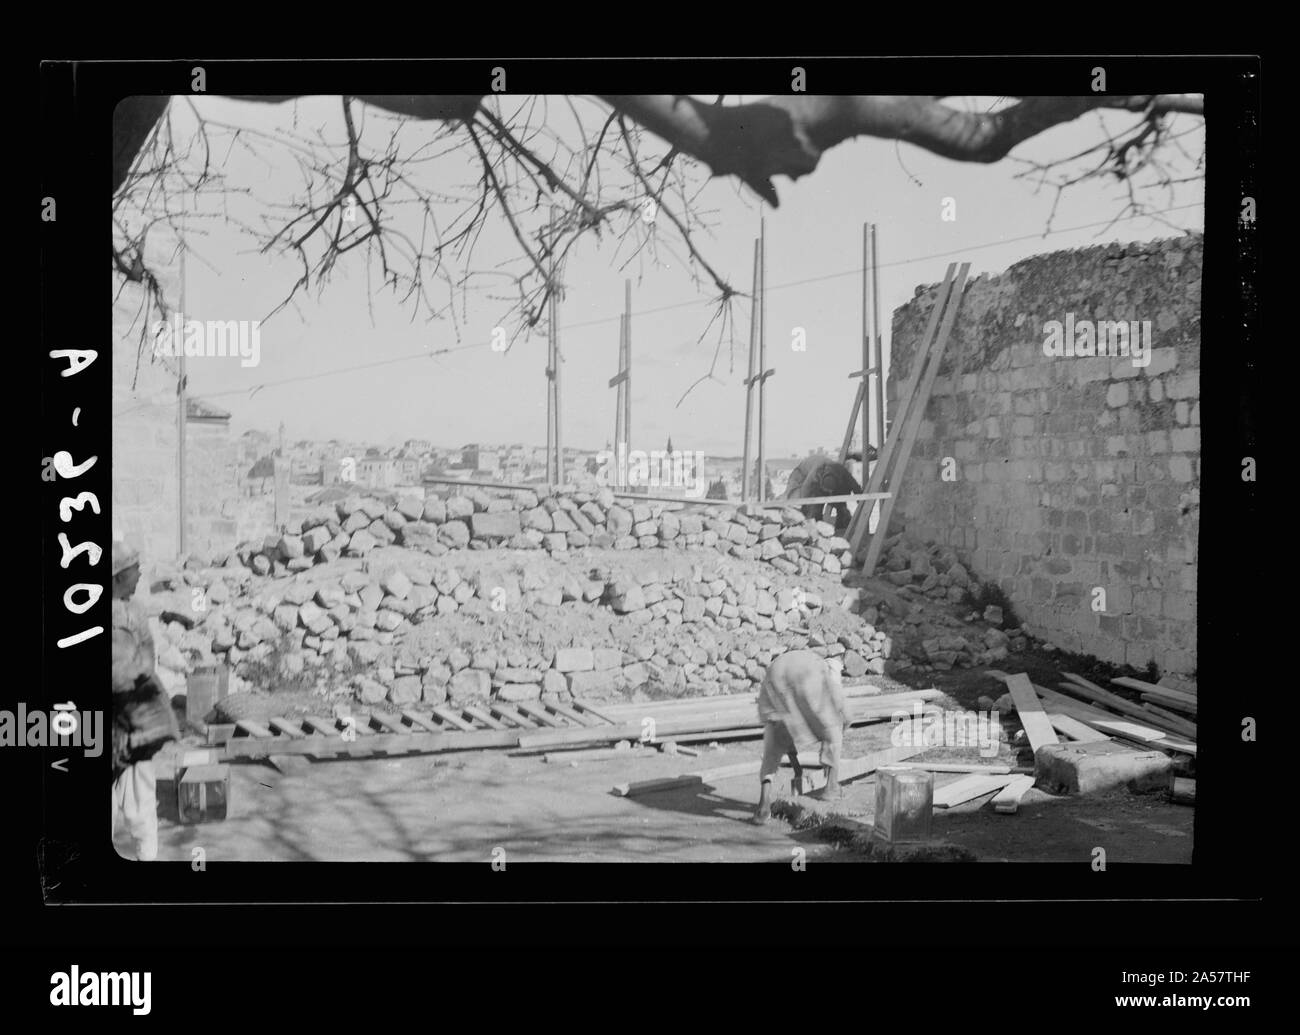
(800, 703)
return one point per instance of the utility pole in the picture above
(181, 406)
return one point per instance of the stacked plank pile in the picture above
(527, 726)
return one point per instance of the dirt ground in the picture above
(461, 807)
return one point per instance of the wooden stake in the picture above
(749, 381)
(877, 360)
(762, 358)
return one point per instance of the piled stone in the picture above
(473, 519)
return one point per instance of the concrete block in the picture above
(1094, 767)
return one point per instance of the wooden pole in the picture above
(749, 381)
(618, 402)
(762, 356)
(877, 360)
(867, 231)
(556, 295)
(627, 367)
(181, 404)
(550, 357)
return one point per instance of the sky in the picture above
(475, 394)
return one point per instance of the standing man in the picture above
(143, 719)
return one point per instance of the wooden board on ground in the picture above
(1007, 800)
(1038, 728)
(386, 743)
(1074, 729)
(969, 788)
(957, 767)
(419, 721)
(1171, 703)
(448, 716)
(850, 769)
(388, 723)
(1152, 688)
(479, 715)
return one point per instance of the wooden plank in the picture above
(252, 728)
(1038, 728)
(589, 710)
(1170, 721)
(596, 735)
(1074, 729)
(850, 769)
(801, 501)
(1097, 719)
(1086, 713)
(572, 714)
(448, 716)
(1183, 791)
(968, 788)
(284, 726)
(316, 724)
(420, 721)
(1170, 702)
(915, 415)
(594, 755)
(536, 711)
(957, 767)
(1080, 687)
(858, 527)
(379, 743)
(389, 723)
(1145, 687)
(504, 711)
(479, 715)
(1007, 800)
(1126, 708)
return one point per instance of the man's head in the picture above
(126, 570)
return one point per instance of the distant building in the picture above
(481, 458)
(377, 472)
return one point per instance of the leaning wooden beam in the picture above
(847, 497)
(1038, 728)
(850, 769)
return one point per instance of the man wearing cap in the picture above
(143, 719)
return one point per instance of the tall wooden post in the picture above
(749, 380)
(627, 365)
(550, 353)
(555, 361)
(877, 359)
(623, 382)
(181, 407)
(867, 233)
(762, 356)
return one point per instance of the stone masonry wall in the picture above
(1068, 474)
(145, 477)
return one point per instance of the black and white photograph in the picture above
(521, 475)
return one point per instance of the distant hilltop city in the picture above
(418, 463)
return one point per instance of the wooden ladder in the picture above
(887, 475)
